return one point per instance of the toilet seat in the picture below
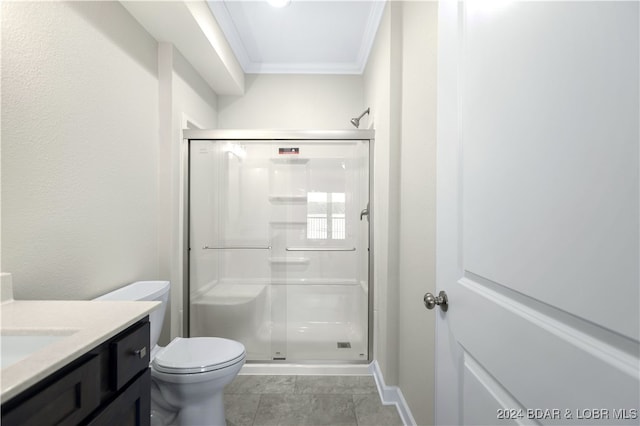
(198, 355)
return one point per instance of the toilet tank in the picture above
(147, 291)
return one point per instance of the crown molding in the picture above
(225, 21)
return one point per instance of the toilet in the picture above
(189, 374)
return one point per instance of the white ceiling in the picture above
(307, 36)
(192, 29)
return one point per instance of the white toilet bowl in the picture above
(189, 374)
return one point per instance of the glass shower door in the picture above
(279, 247)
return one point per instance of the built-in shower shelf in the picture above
(342, 282)
(289, 160)
(289, 260)
(287, 198)
(281, 223)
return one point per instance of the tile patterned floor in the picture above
(306, 401)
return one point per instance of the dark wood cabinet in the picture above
(109, 385)
(131, 406)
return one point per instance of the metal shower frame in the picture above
(280, 135)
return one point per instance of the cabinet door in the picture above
(65, 400)
(131, 408)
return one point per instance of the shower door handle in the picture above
(365, 212)
(237, 248)
(320, 249)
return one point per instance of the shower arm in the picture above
(363, 114)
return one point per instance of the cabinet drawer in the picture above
(129, 355)
(62, 401)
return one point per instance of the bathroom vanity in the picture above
(93, 367)
(109, 385)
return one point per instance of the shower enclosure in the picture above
(279, 242)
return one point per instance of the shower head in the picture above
(356, 121)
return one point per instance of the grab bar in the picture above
(320, 249)
(237, 248)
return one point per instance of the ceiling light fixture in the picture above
(279, 3)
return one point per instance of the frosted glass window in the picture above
(317, 215)
(326, 216)
(338, 222)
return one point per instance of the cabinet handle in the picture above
(141, 353)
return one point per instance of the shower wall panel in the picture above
(278, 247)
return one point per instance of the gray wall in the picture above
(400, 86)
(79, 149)
(92, 112)
(293, 101)
(416, 358)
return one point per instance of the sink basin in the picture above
(15, 347)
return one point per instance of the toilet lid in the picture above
(198, 355)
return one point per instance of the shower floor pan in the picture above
(241, 312)
(325, 342)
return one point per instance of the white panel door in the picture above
(538, 213)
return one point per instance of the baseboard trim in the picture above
(306, 369)
(392, 395)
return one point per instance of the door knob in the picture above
(430, 301)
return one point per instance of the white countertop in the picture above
(85, 324)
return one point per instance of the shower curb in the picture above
(392, 395)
